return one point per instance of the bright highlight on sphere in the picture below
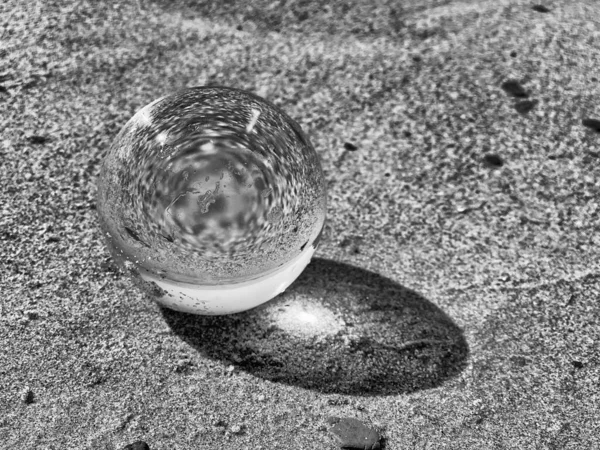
(213, 199)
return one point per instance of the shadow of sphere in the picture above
(338, 329)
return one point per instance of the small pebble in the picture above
(353, 434)
(540, 8)
(236, 429)
(525, 106)
(27, 396)
(593, 124)
(32, 315)
(493, 161)
(514, 89)
(37, 139)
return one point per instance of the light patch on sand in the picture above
(307, 319)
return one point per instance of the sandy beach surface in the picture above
(453, 300)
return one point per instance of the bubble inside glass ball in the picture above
(213, 199)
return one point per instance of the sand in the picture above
(453, 300)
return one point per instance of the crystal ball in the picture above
(212, 199)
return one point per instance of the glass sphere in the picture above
(213, 199)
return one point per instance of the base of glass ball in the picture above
(229, 298)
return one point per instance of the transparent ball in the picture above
(213, 199)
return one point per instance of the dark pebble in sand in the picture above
(540, 8)
(593, 124)
(514, 89)
(138, 445)
(525, 106)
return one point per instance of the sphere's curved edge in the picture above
(231, 298)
